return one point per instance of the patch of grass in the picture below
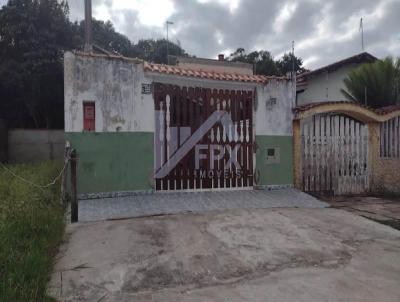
(31, 228)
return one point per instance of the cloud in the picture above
(323, 30)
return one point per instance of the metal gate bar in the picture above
(182, 117)
(335, 154)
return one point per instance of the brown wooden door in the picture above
(203, 138)
(89, 116)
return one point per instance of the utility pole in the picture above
(88, 26)
(294, 76)
(293, 72)
(74, 198)
(362, 33)
(168, 23)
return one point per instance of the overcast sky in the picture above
(323, 30)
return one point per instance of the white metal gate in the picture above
(334, 155)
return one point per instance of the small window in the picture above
(89, 116)
(273, 155)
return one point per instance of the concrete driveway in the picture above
(276, 254)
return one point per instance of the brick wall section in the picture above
(387, 175)
(297, 154)
(385, 172)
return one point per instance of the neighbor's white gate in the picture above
(334, 155)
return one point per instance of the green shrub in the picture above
(31, 228)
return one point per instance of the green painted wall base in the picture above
(123, 161)
(280, 173)
(112, 162)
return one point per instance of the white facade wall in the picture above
(326, 86)
(115, 87)
(273, 108)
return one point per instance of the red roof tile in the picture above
(196, 73)
(211, 75)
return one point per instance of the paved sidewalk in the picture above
(174, 203)
(385, 210)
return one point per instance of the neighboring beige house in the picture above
(324, 84)
(220, 65)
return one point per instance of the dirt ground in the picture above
(383, 209)
(235, 255)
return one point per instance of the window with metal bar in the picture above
(390, 138)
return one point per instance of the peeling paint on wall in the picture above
(274, 108)
(115, 86)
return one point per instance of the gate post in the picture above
(373, 155)
(297, 154)
(74, 197)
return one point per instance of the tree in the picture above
(239, 56)
(12, 104)
(156, 50)
(33, 35)
(105, 36)
(262, 61)
(375, 84)
(265, 64)
(285, 64)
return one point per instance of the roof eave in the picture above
(336, 65)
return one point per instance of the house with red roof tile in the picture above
(198, 124)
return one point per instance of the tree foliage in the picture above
(264, 63)
(105, 36)
(156, 50)
(376, 84)
(287, 62)
(33, 37)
